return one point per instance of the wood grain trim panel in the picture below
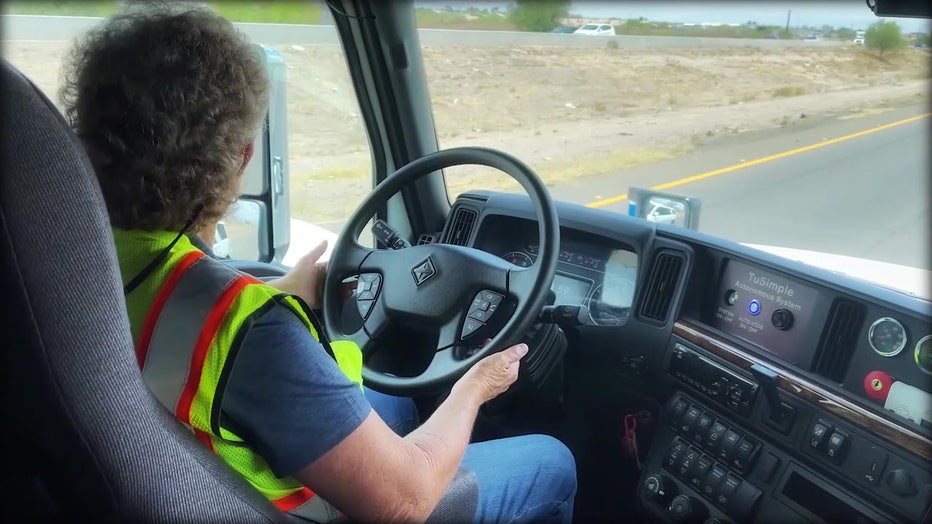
(804, 389)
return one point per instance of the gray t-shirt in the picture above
(286, 396)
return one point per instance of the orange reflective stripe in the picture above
(204, 341)
(148, 325)
(205, 438)
(294, 500)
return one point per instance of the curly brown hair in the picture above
(165, 101)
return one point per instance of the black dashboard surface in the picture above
(853, 352)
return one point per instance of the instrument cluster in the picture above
(602, 280)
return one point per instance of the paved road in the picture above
(64, 28)
(867, 196)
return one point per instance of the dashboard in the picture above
(789, 392)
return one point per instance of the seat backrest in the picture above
(85, 440)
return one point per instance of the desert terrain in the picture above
(567, 112)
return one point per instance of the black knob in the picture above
(901, 483)
(685, 509)
(657, 488)
(782, 319)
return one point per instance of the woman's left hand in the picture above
(306, 278)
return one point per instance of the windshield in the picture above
(801, 125)
(789, 133)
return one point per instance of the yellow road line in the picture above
(758, 161)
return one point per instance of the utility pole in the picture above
(788, 13)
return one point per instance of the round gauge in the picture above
(609, 304)
(518, 258)
(532, 247)
(923, 354)
(887, 336)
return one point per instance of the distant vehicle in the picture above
(813, 38)
(596, 29)
(661, 214)
(566, 29)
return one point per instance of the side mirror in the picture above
(900, 8)
(664, 208)
(239, 235)
(221, 247)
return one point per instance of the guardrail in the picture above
(65, 28)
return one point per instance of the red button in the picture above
(877, 385)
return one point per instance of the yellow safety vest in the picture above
(187, 318)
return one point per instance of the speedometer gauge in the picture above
(923, 354)
(518, 258)
(887, 336)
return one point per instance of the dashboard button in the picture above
(726, 490)
(699, 470)
(677, 407)
(837, 447)
(782, 319)
(702, 428)
(729, 442)
(819, 434)
(744, 454)
(689, 420)
(686, 463)
(712, 480)
(677, 450)
(715, 435)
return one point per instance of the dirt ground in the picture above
(567, 112)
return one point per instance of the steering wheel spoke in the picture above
(449, 334)
(375, 320)
(521, 282)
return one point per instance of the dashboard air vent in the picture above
(460, 228)
(661, 286)
(839, 339)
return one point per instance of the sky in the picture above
(838, 13)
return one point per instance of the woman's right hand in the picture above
(494, 374)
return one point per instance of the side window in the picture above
(316, 153)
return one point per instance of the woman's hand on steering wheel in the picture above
(306, 279)
(494, 374)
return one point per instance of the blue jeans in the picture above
(531, 478)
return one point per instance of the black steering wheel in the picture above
(435, 286)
